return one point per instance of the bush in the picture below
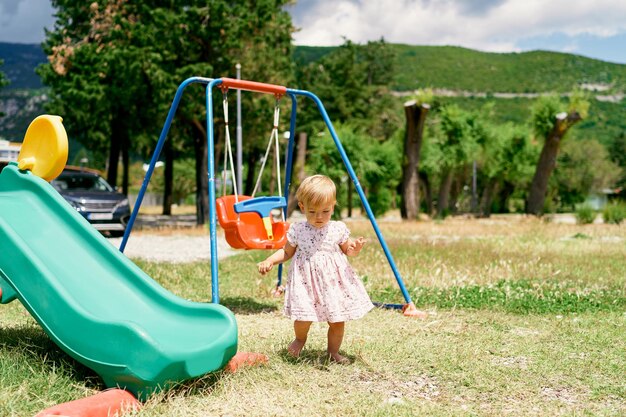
(614, 213)
(585, 214)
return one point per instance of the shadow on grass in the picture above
(316, 358)
(33, 349)
(247, 305)
(40, 352)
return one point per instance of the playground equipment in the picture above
(93, 302)
(236, 234)
(242, 229)
(251, 226)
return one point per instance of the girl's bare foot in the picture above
(295, 348)
(342, 360)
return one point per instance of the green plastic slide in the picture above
(95, 303)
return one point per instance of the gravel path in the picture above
(174, 248)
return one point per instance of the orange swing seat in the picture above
(247, 230)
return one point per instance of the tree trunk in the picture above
(456, 189)
(125, 165)
(299, 171)
(350, 192)
(415, 118)
(168, 179)
(474, 197)
(428, 192)
(221, 172)
(202, 176)
(486, 200)
(547, 162)
(114, 153)
(444, 192)
(505, 191)
(251, 174)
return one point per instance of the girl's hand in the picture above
(355, 246)
(265, 267)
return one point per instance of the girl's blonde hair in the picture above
(316, 191)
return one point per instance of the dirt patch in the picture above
(174, 248)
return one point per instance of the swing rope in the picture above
(228, 153)
(273, 141)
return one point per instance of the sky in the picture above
(592, 28)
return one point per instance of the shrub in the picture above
(614, 213)
(585, 214)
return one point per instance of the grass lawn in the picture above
(527, 318)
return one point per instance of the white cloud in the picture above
(486, 25)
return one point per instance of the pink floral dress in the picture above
(321, 284)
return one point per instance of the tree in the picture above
(415, 112)
(508, 164)
(114, 69)
(505, 164)
(375, 164)
(617, 151)
(584, 167)
(458, 148)
(551, 121)
(100, 76)
(353, 83)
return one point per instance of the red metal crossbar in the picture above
(277, 90)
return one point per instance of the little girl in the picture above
(321, 285)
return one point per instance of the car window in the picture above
(78, 182)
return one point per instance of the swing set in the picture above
(247, 221)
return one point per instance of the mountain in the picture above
(510, 81)
(20, 61)
(462, 69)
(467, 77)
(23, 99)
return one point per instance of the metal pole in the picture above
(289, 167)
(359, 190)
(157, 153)
(239, 134)
(215, 293)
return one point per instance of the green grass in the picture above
(524, 297)
(527, 318)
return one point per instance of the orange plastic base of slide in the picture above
(409, 310)
(113, 402)
(242, 359)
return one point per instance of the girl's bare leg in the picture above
(301, 329)
(335, 337)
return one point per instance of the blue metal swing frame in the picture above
(210, 84)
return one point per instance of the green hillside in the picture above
(456, 68)
(20, 61)
(465, 69)
(483, 75)
(442, 67)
